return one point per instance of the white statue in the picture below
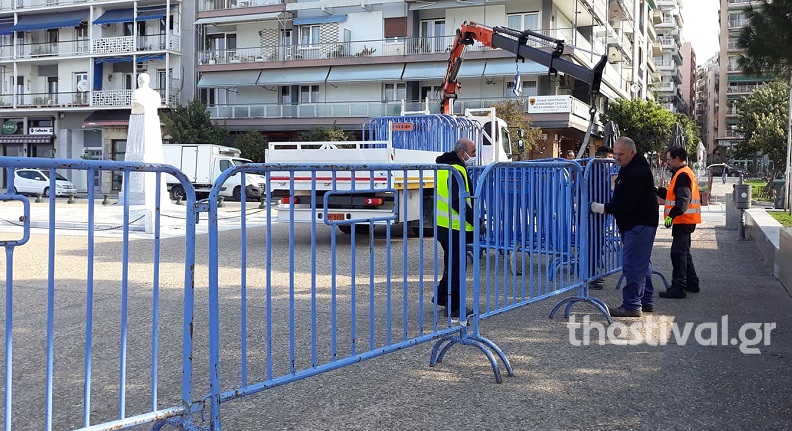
(144, 144)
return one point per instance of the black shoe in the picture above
(673, 293)
(693, 289)
(621, 312)
(596, 285)
(455, 314)
(647, 308)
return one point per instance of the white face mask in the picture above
(471, 161)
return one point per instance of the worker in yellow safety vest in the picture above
(449, 223)
(682, 214)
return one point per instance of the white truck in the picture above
(203, 163)
(408, 139)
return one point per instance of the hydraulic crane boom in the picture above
(514, 41)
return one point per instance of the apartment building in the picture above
(283, 67)
(68, 68)
(688, 71)
(733, 83)
(668, 22)
(706, 107)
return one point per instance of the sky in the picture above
(701, 27)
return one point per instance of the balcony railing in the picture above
(737, 23)
(108, 45)
(30, 4)
(335, 110)
(205, 5)
(363, 48)
(75, 99)
(742, 88)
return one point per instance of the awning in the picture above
(110, 117)
(51, 20)
(443, 4)
(151, 13)
(238, 18)
(319, 20)
(26, 139)
(297, 75)
(140, 59)
(507, 67)
(744, 78)
(237, 78)
(437, 70)
(6, 27)
(366, 72)
(115, 15)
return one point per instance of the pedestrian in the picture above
(634, 206)
(682, 214)
(447, 218)
(570, 155)
(725, 173)
(598, 227)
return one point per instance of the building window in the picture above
(222, 45)
(309, 94)
(524, 21)
(432, 36)
(216, 96)
(528, 90)
(394, 92)
(309, 36)
(395, 29)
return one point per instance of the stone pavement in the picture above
(559, 383)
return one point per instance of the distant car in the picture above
(37, 182)
(717, 170)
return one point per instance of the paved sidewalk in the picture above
(558, 385)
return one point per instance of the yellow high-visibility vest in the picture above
(443, 204)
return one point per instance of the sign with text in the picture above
(40, 130)
(9, 128)
(402, 127)
(549, 104)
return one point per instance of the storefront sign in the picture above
(9, 128)
(40, 130)
(549, 104)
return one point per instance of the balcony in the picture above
(41, 50)
(735, 89)
(341, 110)
(108, 45)
(207, 5)
(666, 87)
(130, 44)
(75, 99)
(665, 64)
(353, 49)
(737, 23)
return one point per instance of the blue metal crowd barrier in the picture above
(435, 132)
(45, 386)
(287, 301)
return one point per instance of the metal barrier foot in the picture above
(177, 423)
(654, 272)
(601, 306)
(441, 347)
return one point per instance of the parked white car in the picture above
(37, 182)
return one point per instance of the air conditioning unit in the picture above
(614, 55)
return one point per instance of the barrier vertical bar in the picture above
(155, 292)
(9, 335)
(50, 301)
(89, 288)
(124, 301)
(243, 278)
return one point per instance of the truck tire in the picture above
(345, 228)
(177, 192)
(359, 228)
(237, 194)
(428, 216)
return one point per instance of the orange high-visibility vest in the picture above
(693, 213)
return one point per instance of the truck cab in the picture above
(496, 140)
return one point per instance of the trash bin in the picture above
(742, 196)
(778, 186)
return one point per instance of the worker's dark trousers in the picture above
(453, 260)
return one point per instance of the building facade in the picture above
(668, 54)
(283, 66)
(706, 112)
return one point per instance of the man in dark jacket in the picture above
(449, 223)
(634, 205)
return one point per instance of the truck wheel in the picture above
(345, 228)
(238, 193)
(177, 192)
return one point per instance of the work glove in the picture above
(668, 222)
(597, 208)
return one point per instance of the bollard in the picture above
(38, 198)
(221, 202)
(179, 200)
(261, 204)
(71, 199)
(105, 201)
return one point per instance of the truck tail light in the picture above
(373, 201)
(288, 200)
